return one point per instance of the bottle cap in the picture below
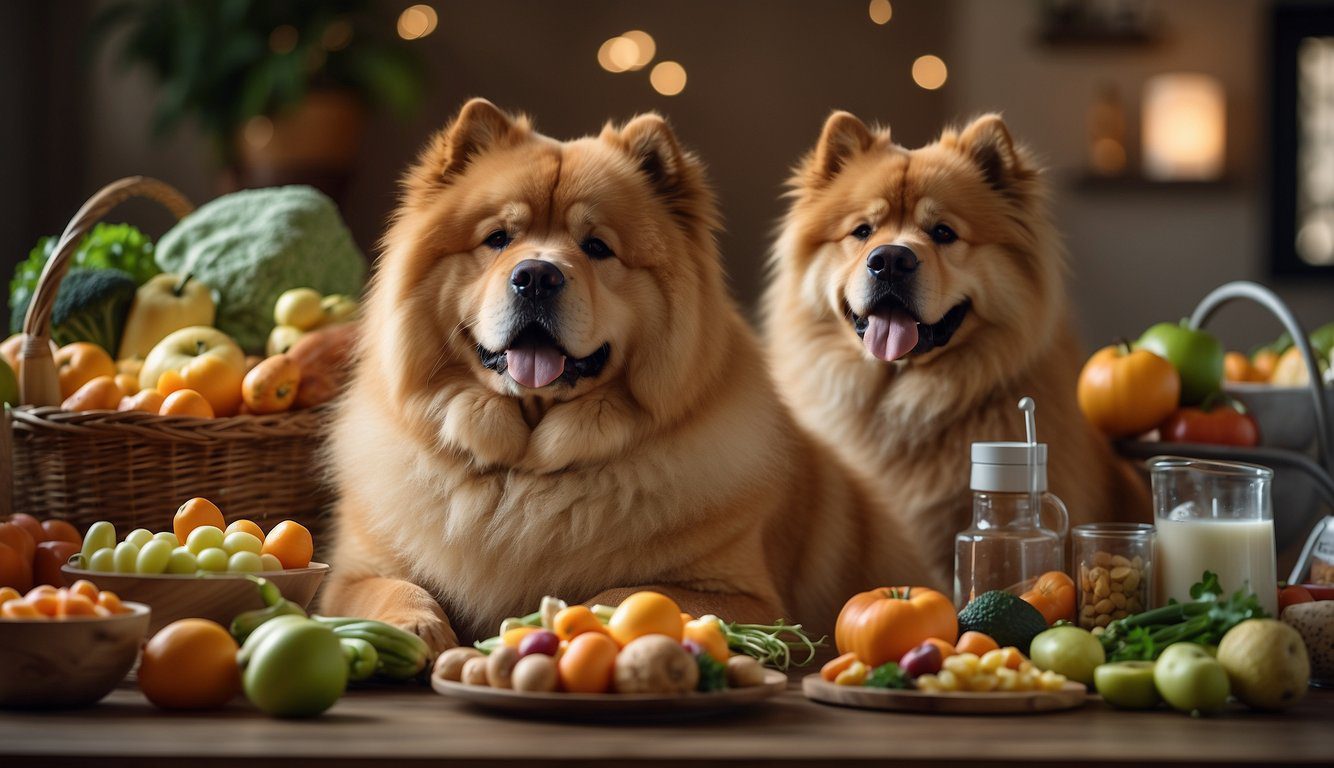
(1004, 467)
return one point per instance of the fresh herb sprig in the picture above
(1204, 620)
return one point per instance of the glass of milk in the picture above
(1214, 516)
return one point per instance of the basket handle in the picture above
(38, 382)
(1244, 289)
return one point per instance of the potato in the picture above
(744, 672)
(655, 664)
(535, 673)
(474, 671)
(500, 666)
(449, 665)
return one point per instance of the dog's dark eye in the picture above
(862, 232)
(943, 235)
(498, 239)
(595, 248)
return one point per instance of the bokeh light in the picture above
(645, 47)
(336, 36)
(283, 39)
(417, 22)
(881, 11)
(929, 72)
(668, 78)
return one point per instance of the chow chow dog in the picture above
(917, 296)
(555, 394)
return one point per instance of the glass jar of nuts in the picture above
(1113, 571)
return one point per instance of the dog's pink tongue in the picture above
(535, 367)
(890, 337)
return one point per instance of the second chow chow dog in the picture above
(556, 395)
(918, 295)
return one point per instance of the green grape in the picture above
(245, 562)
(168, 537)
(154, 556)
(270, 562)
(240, 541)
(182, 561)
(204, 537)
(100, 535)
(103, 560)
(212, 558)
(139, 537)
(126, 557)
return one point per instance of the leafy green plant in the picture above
(1204, 620)
(224, 62)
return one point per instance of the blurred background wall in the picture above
(762, 75)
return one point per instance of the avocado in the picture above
(1004, 617)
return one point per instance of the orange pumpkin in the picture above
(884, 623)
(1126, 393)
(1053, 594)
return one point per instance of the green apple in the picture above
(1266, 663)
(281, 339)
(293, 667)
(1068, 651)
(1191, 680)
(300, 308)
(9, 385)
(1127, 684)
(1196, 355)
(338, 308)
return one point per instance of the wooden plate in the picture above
(817, 689)
(611, 706)
(215, 596)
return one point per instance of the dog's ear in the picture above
(843, 137)
(987, 142)
(675, 174)
(479, 126)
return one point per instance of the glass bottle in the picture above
(1018, 531)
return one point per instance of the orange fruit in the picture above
(246, 526)
(19, 609)
(186, 402)
(147, 400)
(9, 593)
(17, 537)
(291, 543)
(190, 664)
(646, 613)
(86, 588)
(574, 621)
(193, 514)
(217, 381)
(588, 663)
(170, 381)
(69, 604)
(946, 650)
(15, 568)
(975, 643)
(270, 387)
(127, 383)
(60, 530)
(79, 363)
(98, 394)
(111, 602)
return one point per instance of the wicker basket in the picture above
(134, 468)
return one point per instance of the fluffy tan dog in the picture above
(556, 395)
(918, 295)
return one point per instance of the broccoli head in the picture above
(91, 305)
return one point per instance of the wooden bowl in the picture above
(47, 664)
(214, 596)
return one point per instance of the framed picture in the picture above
(1302, 140)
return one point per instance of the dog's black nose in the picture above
(537, 280)
(891, 262)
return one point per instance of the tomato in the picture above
(1053, 594)
(1291, 595)
(1214, 424)
(190, 664)
(193, 514)
(15, 568)
(1126, 393)
(883, 624)
(646, 613)
(291, 543)
(31, 525)
(51, 555)
(59, 530)
(588, 664)
(707, 633)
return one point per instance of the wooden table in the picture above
(414, 726)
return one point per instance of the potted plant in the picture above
(281, 87)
